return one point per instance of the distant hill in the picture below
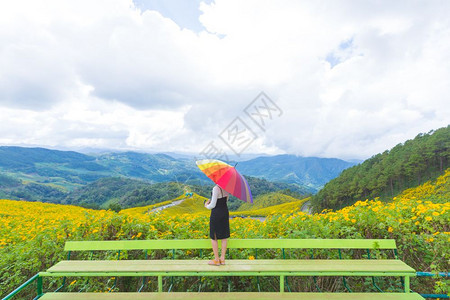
(312, 172)
(38, 174)
(387, 174)
(152, 167)
(100, 193)
(67, 169)
(71, 170)
(12, 188)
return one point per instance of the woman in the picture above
(219, 223)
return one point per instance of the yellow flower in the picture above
(435, 214)
(251, 257)
(428, 218)
(417, 223)
(390, 229)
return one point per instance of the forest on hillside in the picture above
(386, 174)
(119, 192)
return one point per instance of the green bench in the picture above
(233, 296)
(281, 268)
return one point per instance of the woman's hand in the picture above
(207, 202)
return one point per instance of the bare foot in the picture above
(214, 262)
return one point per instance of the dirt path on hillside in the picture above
(306, 207)
(168, 205)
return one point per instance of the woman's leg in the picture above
(224, 249)
(215, 246)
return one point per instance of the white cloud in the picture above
(352, 78)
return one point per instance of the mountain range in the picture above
(41, 174)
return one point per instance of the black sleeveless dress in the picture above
(219, 221)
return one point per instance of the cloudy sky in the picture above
(349, 78)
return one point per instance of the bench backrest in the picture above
(232, 244)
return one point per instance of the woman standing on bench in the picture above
(219, 223)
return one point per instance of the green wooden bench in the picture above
(232, 296)
(281, 268)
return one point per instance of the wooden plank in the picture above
(233, 244)
(183, 266)
(314, 243)
(232, 296)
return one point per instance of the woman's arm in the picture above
(212, 202)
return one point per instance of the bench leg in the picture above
(282, 284)
(39, 286)
(160, 286)
(407, 290)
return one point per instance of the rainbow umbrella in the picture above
(227, 177)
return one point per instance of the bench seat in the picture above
(260, 267)
(232, 296)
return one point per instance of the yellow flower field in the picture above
(32, 234)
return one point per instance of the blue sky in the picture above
(185, 13)
(350, 78)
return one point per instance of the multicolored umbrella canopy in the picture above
(227, 177)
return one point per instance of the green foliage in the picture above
(388, 173)
(115, 207)
(151, 194)
(267, 200)
(260, 186)
(102, 190)
(8, 182)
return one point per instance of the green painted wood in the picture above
(221, 273)
(234, 266)
(232, 296)
(137, 245)
(233, 244)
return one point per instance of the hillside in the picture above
(103, 191)
(124, 192)
(388, 173)
(32, 173)
(70, 170)
(266, 200)
(121, 179)
(66, 169)
(279, 209)
(191, 205)
(312, 172)
(266, 204)
(13, 188)
(152, 167)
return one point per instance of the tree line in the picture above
(387, 174)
